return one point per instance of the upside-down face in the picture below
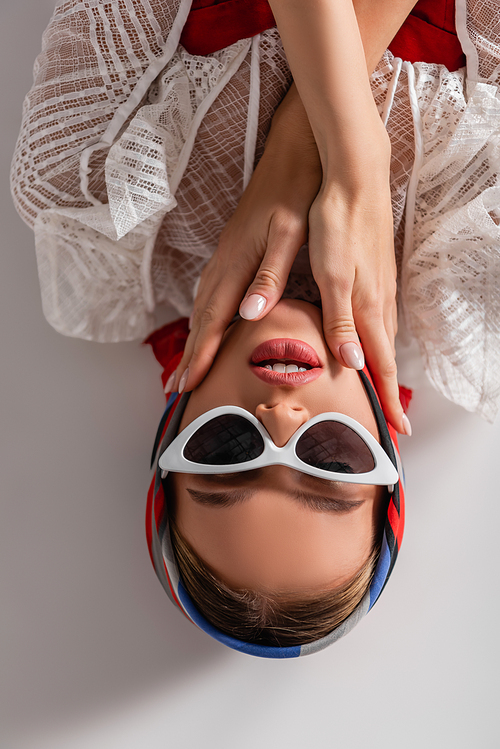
(276, 528)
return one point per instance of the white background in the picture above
(95, 656)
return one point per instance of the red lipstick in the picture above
(290, 351)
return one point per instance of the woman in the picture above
(112, 239)
(275, 552)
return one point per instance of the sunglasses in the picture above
(229, 439)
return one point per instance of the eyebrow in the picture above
(312, 501)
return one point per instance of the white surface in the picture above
(94, 655)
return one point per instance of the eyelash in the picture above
(329, 505)
(215, 500)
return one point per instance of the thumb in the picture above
(352, 355)
(264, 293)
(270, 280)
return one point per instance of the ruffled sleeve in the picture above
(450, 286)
(97, 64)
(98, 59)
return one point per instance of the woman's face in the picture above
(275, 528)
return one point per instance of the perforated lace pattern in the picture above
(212, 184)
(451, 267)
(132, 154)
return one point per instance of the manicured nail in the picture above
(183, 380)
(170, 383)
(406, 425)
(252, 306)
(352, 355)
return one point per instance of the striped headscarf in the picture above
(163, 558)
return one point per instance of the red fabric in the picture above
(440, 13)
(397, 520)
(427, 35)
(159, 504)
(168, 345)
(405, 396)
(213, 25)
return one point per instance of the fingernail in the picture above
(190, 322)
(170, 383)
(352, 355)
(252, 306)
(406, 425)
(183, 380)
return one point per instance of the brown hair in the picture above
(268, 619)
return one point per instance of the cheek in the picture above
(214, 391)
(229, 382)
(344, 393)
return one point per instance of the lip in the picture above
(286, 348)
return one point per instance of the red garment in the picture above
(215, 24)
(168, 345)
(427, 35)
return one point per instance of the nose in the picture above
(281, 420)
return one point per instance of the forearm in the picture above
(325, 52)
(379, 21)
(330, 56)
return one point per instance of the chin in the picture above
(291, 317)
(298, 304)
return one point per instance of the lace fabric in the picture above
(133, 154)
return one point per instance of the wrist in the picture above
(290, 145)
(290, 127)
(356, 154)
(357, 192)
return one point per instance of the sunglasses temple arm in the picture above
(161, 427)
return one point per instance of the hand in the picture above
(257, 247)
(350, 226)
(351, 251)
(350, 246)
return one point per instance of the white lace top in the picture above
(133, 154)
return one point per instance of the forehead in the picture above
(270, 535)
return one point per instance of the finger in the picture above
(217, 271)
(286, 237)
(203, 291)
(338, 323)
(210, 321)
(378, 346)
(391, 325)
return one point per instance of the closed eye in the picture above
(311, 501)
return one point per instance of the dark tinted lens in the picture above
(334, 447)
(224, 440)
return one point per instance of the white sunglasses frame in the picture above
(383, 474)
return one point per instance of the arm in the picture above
(92, 59)
(325, 52)
(284, 222)
(350, 221)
